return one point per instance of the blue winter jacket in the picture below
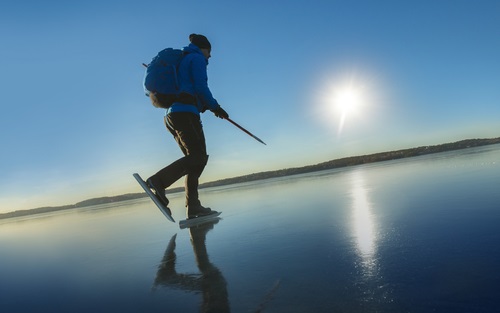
(193, 79)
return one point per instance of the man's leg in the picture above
(191, 182)
(188, 132)
(191, 140)
(171, 173)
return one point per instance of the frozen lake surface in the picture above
(412, 235)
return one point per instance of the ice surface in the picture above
(412, 235)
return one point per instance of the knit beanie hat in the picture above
(200, 41)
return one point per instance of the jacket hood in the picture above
(192, 49)
(195, 50)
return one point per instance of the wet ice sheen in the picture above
(413, 235)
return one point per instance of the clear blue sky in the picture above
(75, 123)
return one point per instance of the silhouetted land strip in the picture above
(338, 163)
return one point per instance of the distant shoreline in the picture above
(338, 163)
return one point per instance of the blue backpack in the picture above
(161, 77)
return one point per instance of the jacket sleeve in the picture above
(200, 83)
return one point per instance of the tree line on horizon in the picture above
(337, 163)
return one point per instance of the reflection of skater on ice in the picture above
(210, 282)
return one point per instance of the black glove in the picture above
(220, 113)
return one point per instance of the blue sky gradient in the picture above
(75, 123)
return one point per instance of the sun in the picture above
(346, 101)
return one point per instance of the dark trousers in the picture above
(188, 132)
